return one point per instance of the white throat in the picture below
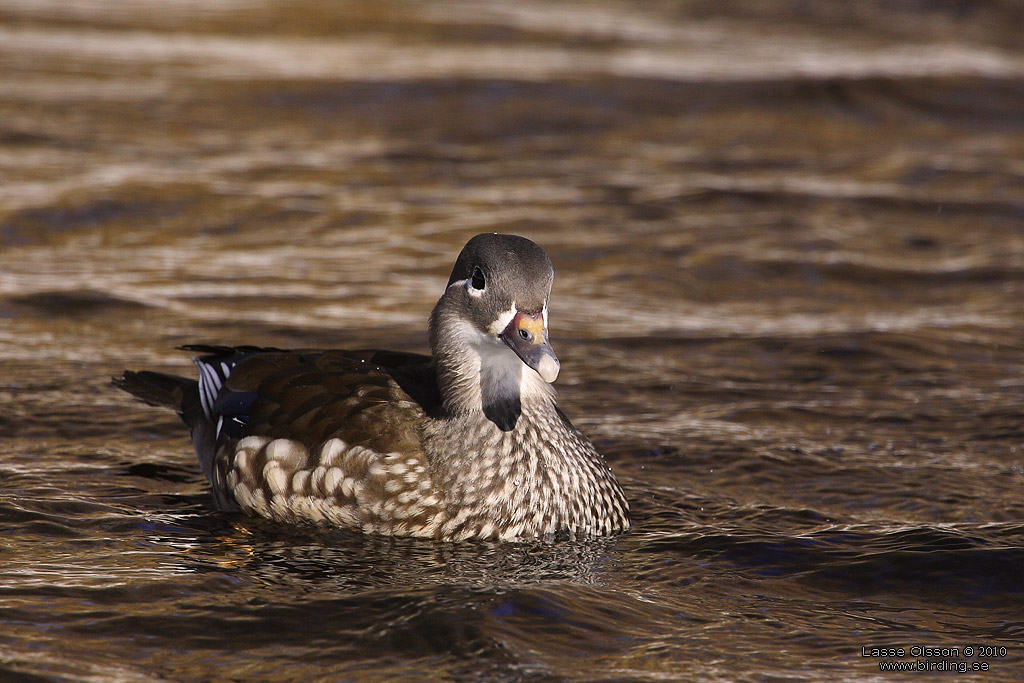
(488, 372)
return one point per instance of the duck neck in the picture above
(477, 373)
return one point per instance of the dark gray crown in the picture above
(513, 269)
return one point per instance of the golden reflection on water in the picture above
(788, 303)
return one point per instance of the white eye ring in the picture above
(476, 283)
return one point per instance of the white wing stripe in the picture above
(210, 383)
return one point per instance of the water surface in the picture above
(789, 252)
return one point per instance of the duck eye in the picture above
(477, 281)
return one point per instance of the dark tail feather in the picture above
(158, 389)
(180, 394)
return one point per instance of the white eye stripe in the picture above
(502, 321)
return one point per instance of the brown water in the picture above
(789, 303)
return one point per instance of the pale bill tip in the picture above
(547, 368)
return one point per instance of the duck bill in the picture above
(527, 336)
